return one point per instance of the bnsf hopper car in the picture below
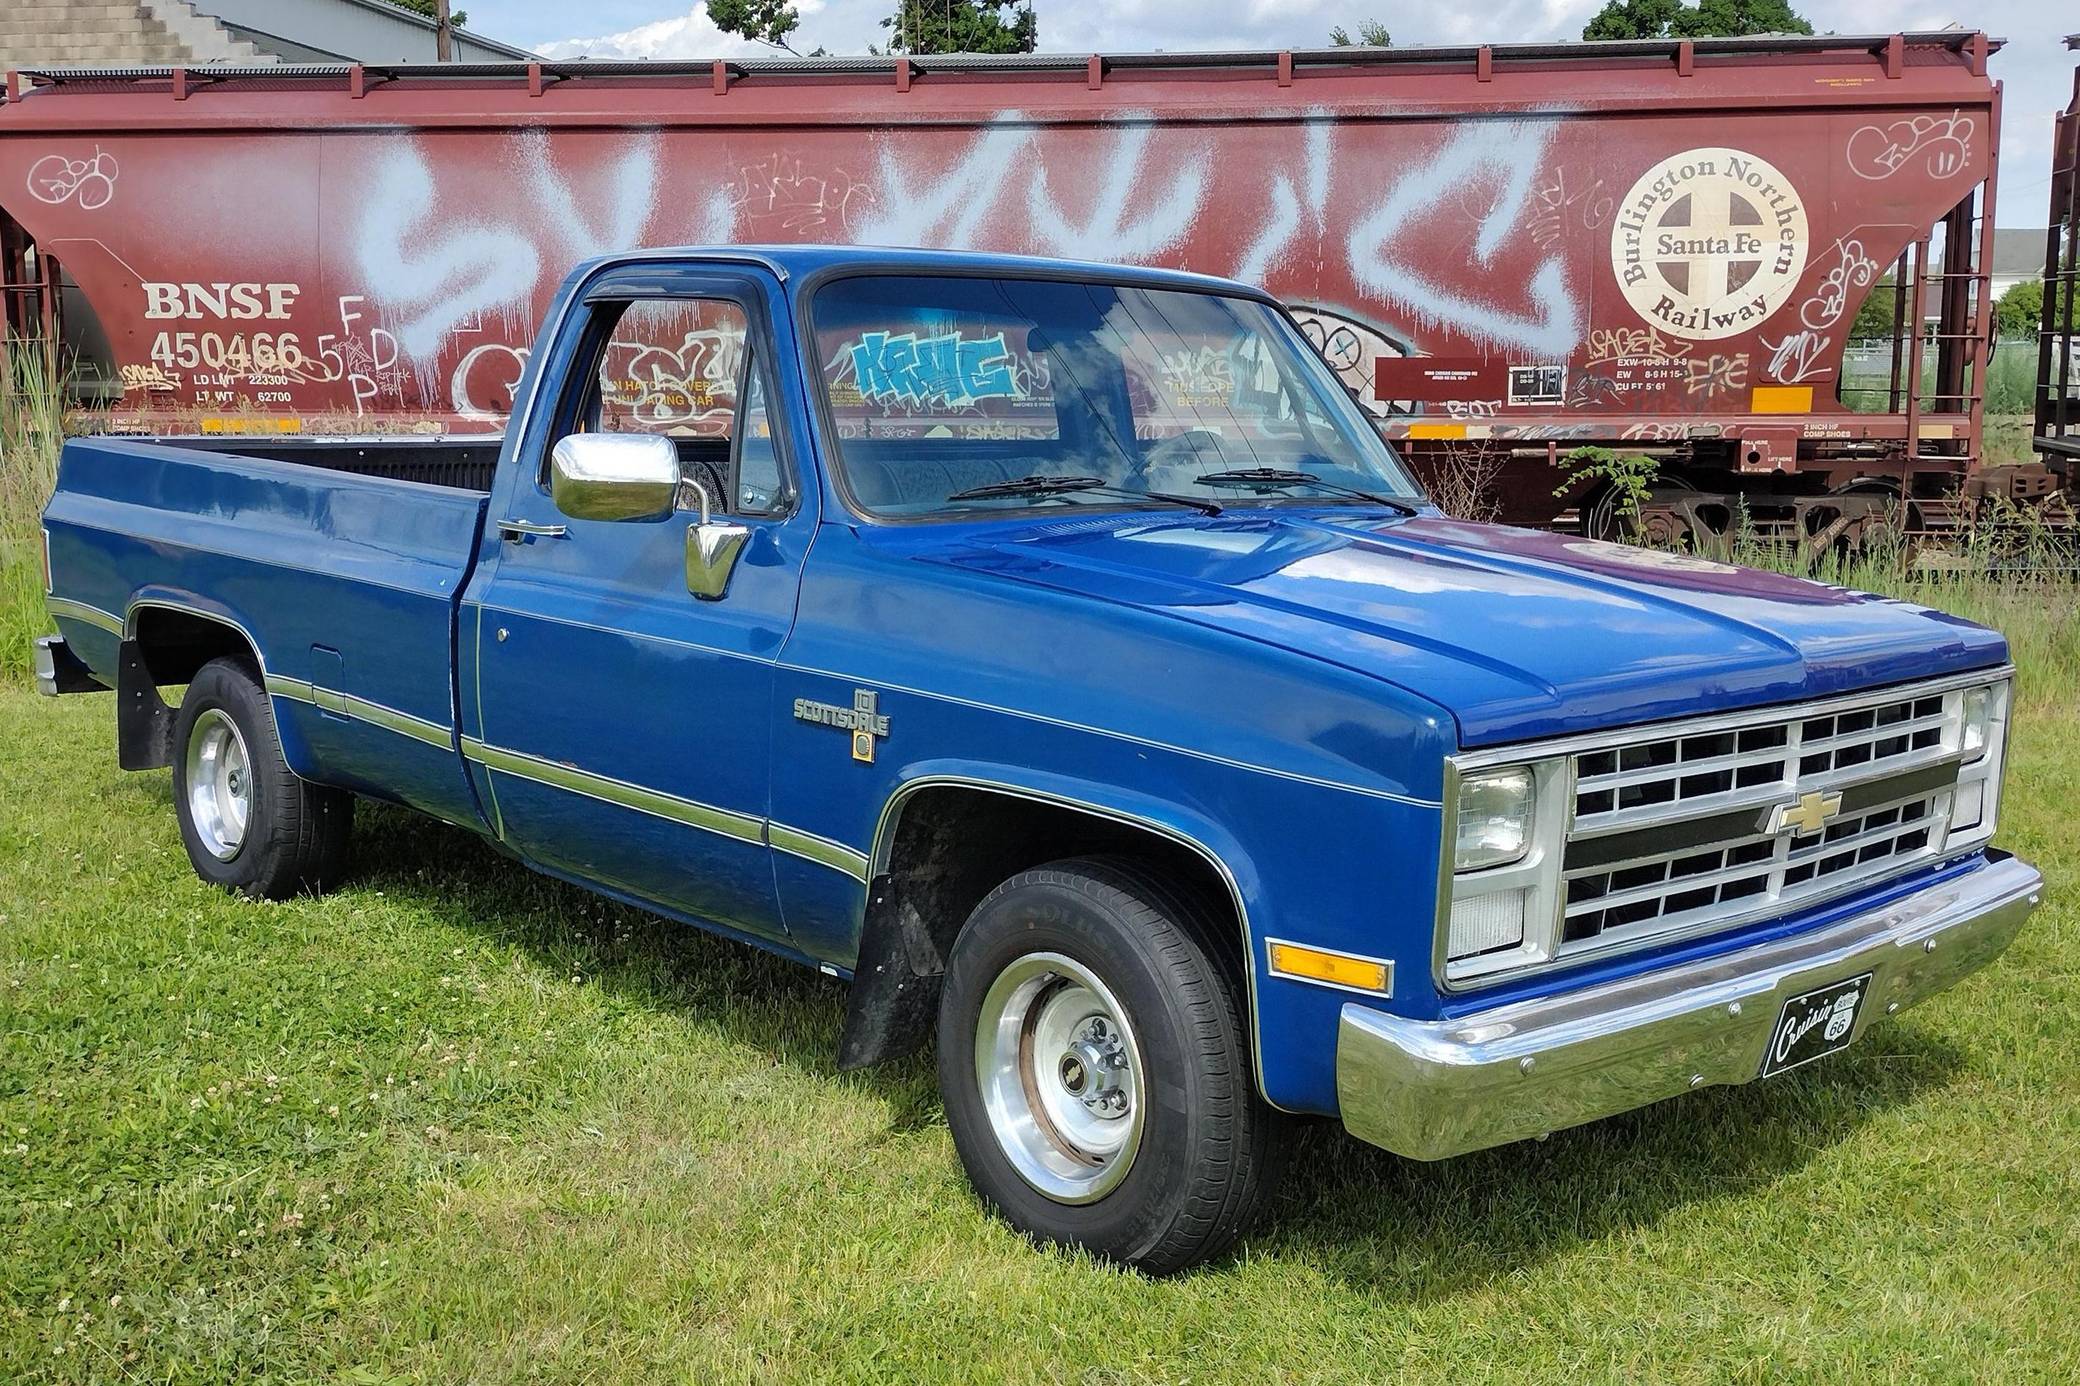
(1508, 252)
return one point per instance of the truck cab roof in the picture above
(800, 262)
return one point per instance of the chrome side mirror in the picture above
(712, 549)
(614, 476)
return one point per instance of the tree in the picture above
(762, 21)
(2020, 311)
(1647, 19)
(1371, 34)
(1874, 318)
(426, 7)
(962, 26)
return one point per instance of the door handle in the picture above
(514, 531)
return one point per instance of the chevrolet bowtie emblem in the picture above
(1809, 815)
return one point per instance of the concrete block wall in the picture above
(51, 32)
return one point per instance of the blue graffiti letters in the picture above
(947, 369)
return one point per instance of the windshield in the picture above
(942, 387)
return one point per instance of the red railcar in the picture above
(1509, 251)
(2058, 353)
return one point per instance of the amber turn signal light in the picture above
(1337, 969)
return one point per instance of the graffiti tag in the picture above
(87, 183)
(1796, 357)
(950, 368)
(1500, 158)
(1851, 270)
(1715, 375)
(1943, 143)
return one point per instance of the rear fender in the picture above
(139, 716)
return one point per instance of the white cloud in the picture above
(691, 35)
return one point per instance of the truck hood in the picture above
(1517, 633)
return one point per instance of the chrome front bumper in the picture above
(1429, 1089)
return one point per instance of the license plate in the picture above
(1815, 1024)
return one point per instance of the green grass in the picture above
(32, 416)
(457, 1123)
(2011, 378)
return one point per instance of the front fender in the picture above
(1283, 882)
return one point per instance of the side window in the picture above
(676, 367)
(671, 366)
(760, 487)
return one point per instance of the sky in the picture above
(2035, 67)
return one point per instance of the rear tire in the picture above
(249, 824)
(1096, 1069)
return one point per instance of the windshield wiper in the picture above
(1279, 478)
(1065, 485)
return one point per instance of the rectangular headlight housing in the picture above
(1499, 887)
(1494, 818)
(1982, 751)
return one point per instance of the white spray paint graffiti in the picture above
(1502, 155)
(780, 187)
(1108, 234)
(90, 183)
(955, 210)
(490, 370)
(690, 388)
(428, 282)
(433, 278)
(1852, 269)
(1272, 243)
(1797, 357)
(1554, 201)
(630, 187)
(1944, 142)
(435, 272)
(916, 211)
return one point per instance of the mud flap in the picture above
(895, 985)
(144, 723)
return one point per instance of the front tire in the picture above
(249, 824)
(1096, 1068)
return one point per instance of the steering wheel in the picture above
(1186, 448)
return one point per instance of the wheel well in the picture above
(165, 646)
(174, 645)
(953, 844)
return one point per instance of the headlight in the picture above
(1501, 896)
(1495, 810)
(1981, 747)
(1978, 721)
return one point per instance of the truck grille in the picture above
(1673, 831)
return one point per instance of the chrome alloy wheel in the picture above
(220, 784)
(1061, 1077)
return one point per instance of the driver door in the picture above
(622, 724)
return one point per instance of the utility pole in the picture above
(443, 32)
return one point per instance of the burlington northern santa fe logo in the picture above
(1709, 242)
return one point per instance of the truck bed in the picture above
(342, 561)
(460, 464)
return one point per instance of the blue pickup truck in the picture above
(1057, 656)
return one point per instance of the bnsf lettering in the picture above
(198, 302)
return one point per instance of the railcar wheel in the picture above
(249, 824)
(1096, 1069)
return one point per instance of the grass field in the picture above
(456, 1123)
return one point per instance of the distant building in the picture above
(2017, 255)
(47, 33)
